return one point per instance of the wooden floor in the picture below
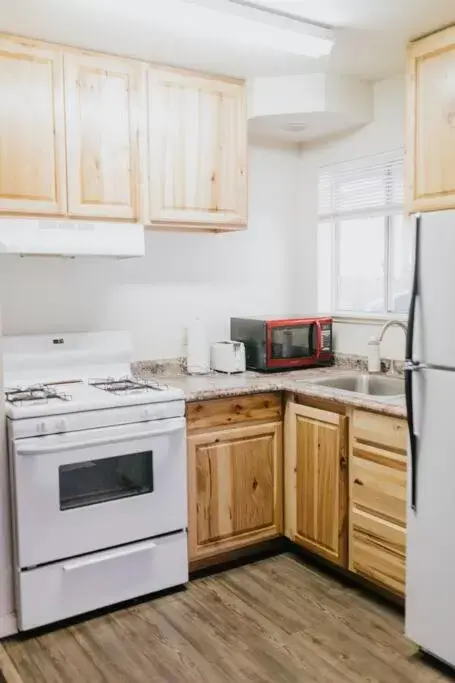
(273, 621)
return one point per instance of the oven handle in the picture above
(107, 556)
(74, 446)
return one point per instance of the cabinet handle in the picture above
(343, 461)
(357, 481)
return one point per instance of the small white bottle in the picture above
(198, 349)
(374, 358)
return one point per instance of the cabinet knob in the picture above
(358, 482)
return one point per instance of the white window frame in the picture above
(387, 212)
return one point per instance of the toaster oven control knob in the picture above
(61, 425)
(147, 414)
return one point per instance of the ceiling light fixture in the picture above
(259, 28)
(294, 127)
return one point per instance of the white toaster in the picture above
(228, 356)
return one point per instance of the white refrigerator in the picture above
(430, 395)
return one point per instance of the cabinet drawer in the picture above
(65, 589)
(222, 412)
(378, 551)
(379, 483)
(389, 432)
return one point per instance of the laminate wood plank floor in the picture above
(276, 620)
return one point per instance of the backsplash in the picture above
(174, 367)
(360, 363)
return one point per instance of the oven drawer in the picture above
(65, 589)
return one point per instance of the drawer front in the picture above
(222, 412)
(379, 483)
(378, 551)
(389, 432)
(65, 589)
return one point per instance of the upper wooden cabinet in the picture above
(32, 138)
(316, 481)
(102, 135)
(430, 121)
(197, 152)
(94, 136)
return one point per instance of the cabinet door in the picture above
(431, 123)
(235, 488)
(32, 142)
(197, 151)
(377, 546)
(102, 136)
(316, 483)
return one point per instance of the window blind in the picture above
(365, 186)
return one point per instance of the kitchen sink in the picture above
(373, 385)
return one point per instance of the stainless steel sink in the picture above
(373, 385)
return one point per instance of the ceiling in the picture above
(370, 34)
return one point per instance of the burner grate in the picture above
(126, 385)
(40, 393)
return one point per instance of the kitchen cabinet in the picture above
(234, 474)
(102, 135)
(377, 546)
(430, 121)
(197, 151)
(32, 137)
(316, 481)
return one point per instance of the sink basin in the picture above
(373, 385)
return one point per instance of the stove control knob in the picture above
(41, 427)
(61, 425)
(147, 414)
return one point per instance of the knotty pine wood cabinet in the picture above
(197, 153)
(89, 135)
(316, 481)
(102, 135)
(430, 123)
(32, 132)
(377, 543)
(235, 470)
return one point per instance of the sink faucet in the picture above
(374, 356)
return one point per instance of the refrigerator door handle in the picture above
(410, 367)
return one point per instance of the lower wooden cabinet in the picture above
(316, 481)
(377, 548)
(344, 493)
(235, 488)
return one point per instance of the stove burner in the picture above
(126, 385)
(40, 393)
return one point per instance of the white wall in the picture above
(182, 274)
(384, 134)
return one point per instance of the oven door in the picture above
(292, 344)
(99, 488)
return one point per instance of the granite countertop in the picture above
(220, 385)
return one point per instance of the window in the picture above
(105, 479)
(365, 244)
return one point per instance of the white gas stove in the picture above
(98, 471)
(48, 398)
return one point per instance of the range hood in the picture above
(44, 237)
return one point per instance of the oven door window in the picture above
(292, 342)
(99, 481)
